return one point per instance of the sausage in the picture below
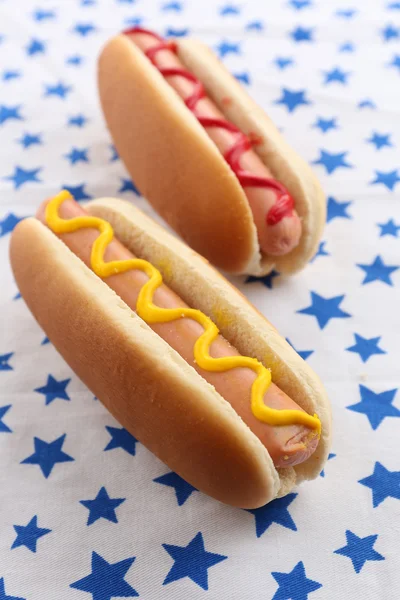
(276, 235)
(287, 445)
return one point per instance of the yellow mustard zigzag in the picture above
(154, 314)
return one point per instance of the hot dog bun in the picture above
(182, 173)
(149, 388)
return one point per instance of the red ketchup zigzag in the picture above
(284, 204)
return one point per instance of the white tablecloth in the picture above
(85, 511)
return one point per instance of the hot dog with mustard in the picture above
(216, 408)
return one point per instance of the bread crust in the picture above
(144, 383)
(175, 164)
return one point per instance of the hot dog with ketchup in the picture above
(172, 349)
(206, 156)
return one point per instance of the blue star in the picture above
(9, 75)
(337, 209)
(192, 561)
(45, 341)
(128, 186)
(102, 507)
(35, 47)
(330, 456)
(29, 140)
(4, 358)
(176, 6)
(47, 454)
(3, 595)
(43, 15)
(8, 223)
(243, 78)
(133, 21)
(107, 580)
(325, 124)
(332, 161)
(229, 9)
(376, 406)
(76, 155)
(325, 309)
(367, 103)
(304, 354)
(389, 179)
(393, 6)
(321, 251)
(3, 427)
(17, 296)
(300, 4)
(28, 535)
(75, 60)
(389, 228)
(266, 280)
(22, 176)
(378, 271)
(77, 191)
(225, 48)
(292, 99)
(274, 512)
(255, 26)
(10, 112)
(336, 75)
(359, 550)
(395, 62)
(54, 389)
(347, 47)
(78, 121)
(300, 34)
(121, 438)
(173, 32)
(390, 33)
(114, 153)
(383, 483)
(294, 585)
(347, 13)
(183, 489)
(282, 62)
(380, 140)
(84, 29)
(59, 90)
(366, 347)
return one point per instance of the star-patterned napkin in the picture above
(86, 512)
